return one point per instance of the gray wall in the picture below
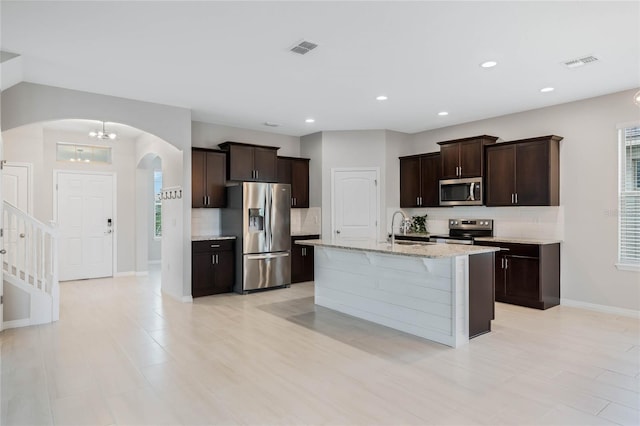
(207, 135)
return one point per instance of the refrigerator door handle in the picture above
(267, 256)
(267, 219)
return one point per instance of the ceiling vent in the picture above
(303, 47)
(580, 62)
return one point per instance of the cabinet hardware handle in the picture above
(257, 174)
(420, 200)
(512, 198)
(506, 264)
(213, 259)
(217, 259)
(417, 201)
(502, 262)
(303, 253)
(215, 245)
(516, 198)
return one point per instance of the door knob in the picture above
(3, 251)
(338, 231)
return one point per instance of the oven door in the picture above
(461, 192)
(445, 240)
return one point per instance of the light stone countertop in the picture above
(429, 250)
(212, 237)
(304, 234)
(517, 240)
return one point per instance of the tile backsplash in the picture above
(303, 221)
(205, 222)
(306, 221)
(522, 222)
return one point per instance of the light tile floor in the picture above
(123, 354)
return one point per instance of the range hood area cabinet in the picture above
(419, 180)
(523, 172)
(208, 177)
(251, 163)
(464, 158)
(295, 172)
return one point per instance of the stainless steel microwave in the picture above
(461, 192)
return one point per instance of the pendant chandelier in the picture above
(102, 134)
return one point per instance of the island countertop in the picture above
(429, 250)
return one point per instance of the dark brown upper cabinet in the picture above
(464, 158)
(419, 180)
(252, 163)
(523, 172)
(295, 171)
(208, 177)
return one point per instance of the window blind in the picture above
(629, 226)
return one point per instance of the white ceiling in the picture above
(229, 61)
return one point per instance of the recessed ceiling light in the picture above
(443, 113)
(488, 64)
(309, 120)
(547, 89)
(381, 98)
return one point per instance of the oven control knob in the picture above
(451, 222)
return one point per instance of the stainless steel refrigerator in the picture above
(259, 215)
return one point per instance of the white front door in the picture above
(355, 203)
(85, 222)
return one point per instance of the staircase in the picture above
(30, 265)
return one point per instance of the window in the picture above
(629, 225)
(157, 203)
(83, 153)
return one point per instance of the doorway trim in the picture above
(56, 172)
(333, 185)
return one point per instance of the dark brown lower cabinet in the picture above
(527, 274)
(302, 259)
(481, 293)
(212, 267)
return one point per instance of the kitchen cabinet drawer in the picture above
(211, 245)
(251, 163)
(527, 274)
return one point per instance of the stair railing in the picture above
(31, 257)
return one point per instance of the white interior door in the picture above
(85, 221)
(16, 186)
(16, 190)
(355, 203)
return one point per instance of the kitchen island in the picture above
(441, 292)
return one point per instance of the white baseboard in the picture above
(601, 308)
(16, 323)
(142, 273)
(154, 262)
(124, 274)
(187, 299)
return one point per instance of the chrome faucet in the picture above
(393, 218)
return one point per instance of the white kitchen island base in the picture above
(427, 297)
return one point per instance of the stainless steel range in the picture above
(463, 231)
